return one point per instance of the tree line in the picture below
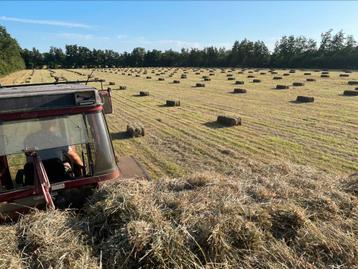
(10, 58)
(335, 50)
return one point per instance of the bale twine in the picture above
(135, 130)
(144, 93)
(282, 87)
(298, 84)
(239, 90)
(172, 103)
(229, 121)
(305, 99)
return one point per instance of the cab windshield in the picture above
(70, 147)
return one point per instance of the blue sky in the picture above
(124, 25)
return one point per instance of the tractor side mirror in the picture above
(106, 100)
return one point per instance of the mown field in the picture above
(180, 140)
(279, 191)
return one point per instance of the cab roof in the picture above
(47, 97)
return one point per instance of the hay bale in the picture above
(200, 85)
(207, 79)
(310, 79)
(172, 103)
(298, 84)
(239, 82)
(122, 87)
(304, 99)
(262, 73)
(292, 71)
(276, 78)
(176, 81)
(344, 75)
(239, 90)
(160, 79)
(282, 87)
(183, 76)
(307, 74)
(256, 81)
(148, 77)
(353, 82)
(144, 93)
(250, 76)
(286, 74)
(325, 73)
(350, 93)
(229, 121)
(324, 76)
(230, 78)
(137, 76)
(112, 83)
(135, 130)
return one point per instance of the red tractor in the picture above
(55, 147)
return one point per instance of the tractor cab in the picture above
(55, 146)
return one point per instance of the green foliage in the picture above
(334, 51)
(10, 58)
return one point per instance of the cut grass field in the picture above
(275, 128)
(276, 191)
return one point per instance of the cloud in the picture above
(46, 22)
(81, 37)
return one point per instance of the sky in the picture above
(124, 25)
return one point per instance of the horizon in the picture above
(123, 26)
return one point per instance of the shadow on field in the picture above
(214, 125)
(120, 135)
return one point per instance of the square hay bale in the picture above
(256, 81)
(292, 71)
(230, 78)
(172, 103)
(239, 82)
(324, 76)
(229, 121)
(229, 75)
(282, 87)
(144, 93)
(305, 99)
(122, 87)
(207, 79)
(135, 130)
(298, 84)
(137, 76)
(183, 76)
(250, 76)
(310, 79)
(239, 90)
(353, 82)
(263, 73)
(344, 75)
(160, 79)
(286, 74)
(200, 85)
(324, 72)
(351, 93)
(148, 77)
(276, 78)
(112, 83)
(307, 74)
(176, 81)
